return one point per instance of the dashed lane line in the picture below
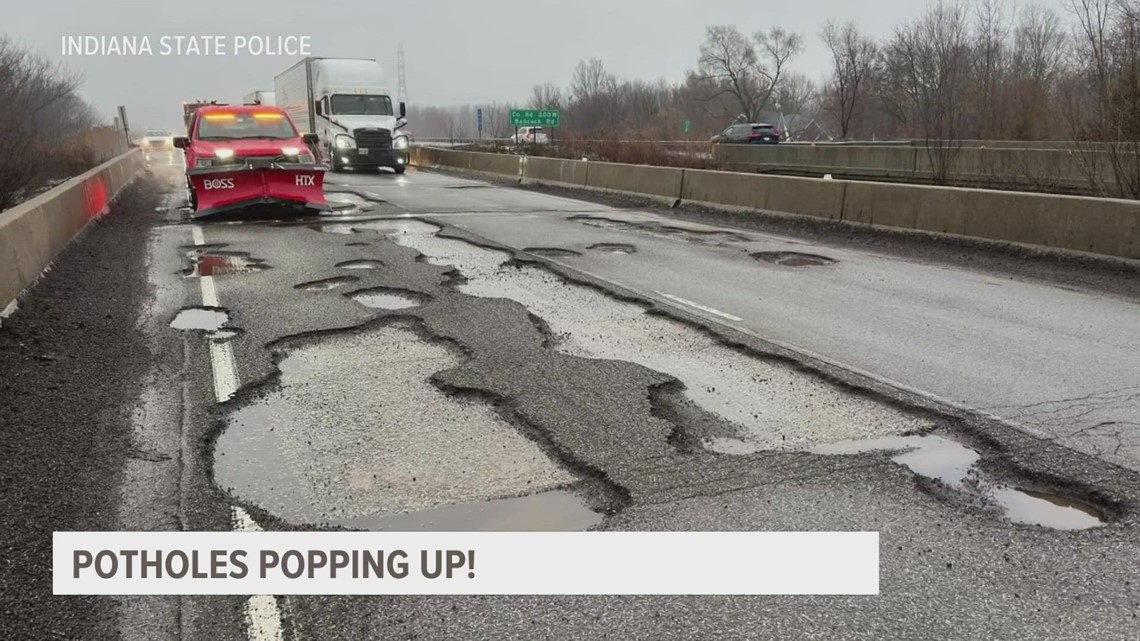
(262, 616)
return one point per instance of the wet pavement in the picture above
(412, 373)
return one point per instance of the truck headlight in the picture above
(203, 162)
(306, 159)
(345, 142)
(223, 154)
(400, 142)
(290, 151)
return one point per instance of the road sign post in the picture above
(479, 122)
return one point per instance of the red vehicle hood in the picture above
(248, 146)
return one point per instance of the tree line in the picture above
(983, 69)
(46, 125)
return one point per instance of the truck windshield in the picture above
(354, 105)
(236, 126)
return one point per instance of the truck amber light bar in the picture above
(267, 116)
(220, 116)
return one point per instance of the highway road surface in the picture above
(450, 354)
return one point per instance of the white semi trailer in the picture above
(346, 102)
(261, 96)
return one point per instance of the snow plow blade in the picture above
(270, 189)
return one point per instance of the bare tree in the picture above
(40, 111)
(853, 57)
(749, 70)
(798, 100)
(547, 96)
(927, 71)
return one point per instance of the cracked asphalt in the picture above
(404, 364)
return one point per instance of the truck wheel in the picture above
(399, 169)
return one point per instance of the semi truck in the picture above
(346, 102)
(259, 97)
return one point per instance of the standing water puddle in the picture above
(360, 264)
(200, 318)
(326, 283)
(222, 263)
(772, 406)
(554, 511)
(954, 465)
(384, 300)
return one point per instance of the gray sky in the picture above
(457, 51)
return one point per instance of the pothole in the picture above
(553, 511)
(356, 244)
(326, 284)
(205, 319)
(221, 263)
(614, 248)
(954, 465)
(467, 187)
(360, 264)
(771, 406)
(551, 252)
(382, 298)
(341, 229)
(356, 431)
(794, 259)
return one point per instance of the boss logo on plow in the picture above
(218, 183)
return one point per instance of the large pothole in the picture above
(776, 407)
(356, 432)
(954, 465)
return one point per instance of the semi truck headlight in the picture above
(401, 142)
(345, 142)
(223, 154)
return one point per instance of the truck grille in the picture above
(373, 138)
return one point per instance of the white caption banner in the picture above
(509, 563)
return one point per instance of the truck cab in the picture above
(346, 103)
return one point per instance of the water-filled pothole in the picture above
(221, 263)
(387, 299)
(551, 252)
(360, 264)
(955, 466)
(356, 430)
(326, 284)
(614, 248)
(205, 319)
(341, 229)
(553, 511)
(794, 259)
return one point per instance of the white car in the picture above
(529, 135)
(157, 140)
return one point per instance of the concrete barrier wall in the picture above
(663, 182)
(1098, 225)
(33, 233)
(555, 170)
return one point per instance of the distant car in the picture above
(157, 140)
(749, 133)
(530, 135)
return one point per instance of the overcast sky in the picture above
(458, 51)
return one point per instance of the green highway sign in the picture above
(534, 117)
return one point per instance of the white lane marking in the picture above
(262, 616)
(703, 308)
(221, 354)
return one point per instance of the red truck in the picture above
(250, 159)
